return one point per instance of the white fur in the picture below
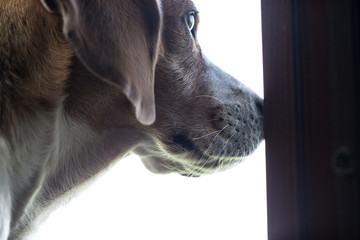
(43, 144)
(5, 193)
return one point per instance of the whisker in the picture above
(206, 135)
(208, 96)
(171, 168)
(208, 148)
(227, 141)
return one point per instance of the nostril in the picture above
(260, 106)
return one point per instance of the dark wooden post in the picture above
(312, 118)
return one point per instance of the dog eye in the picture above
(191, 21)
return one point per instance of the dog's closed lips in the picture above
(83, 83)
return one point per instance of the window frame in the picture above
(311, 91)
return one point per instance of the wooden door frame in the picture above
(312, 117)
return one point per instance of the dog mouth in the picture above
(184, 155)
(183, 141)
(223, 139)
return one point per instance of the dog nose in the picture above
(259, 103)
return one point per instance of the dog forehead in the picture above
(177, 7)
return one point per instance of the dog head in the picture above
(206, 119)
(132, 67)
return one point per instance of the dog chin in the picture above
(188, 167)
(174, 159)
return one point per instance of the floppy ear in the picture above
(118, 41)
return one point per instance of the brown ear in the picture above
(117, 40)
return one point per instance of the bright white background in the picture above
(130, 203)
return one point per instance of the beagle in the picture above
(83, 83)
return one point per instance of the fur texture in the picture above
(82, 86)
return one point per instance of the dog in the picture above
(83, 83)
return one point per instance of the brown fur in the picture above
(34, 65)
(79, 87)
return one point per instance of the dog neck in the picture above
(70, 152)
(40, 128)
